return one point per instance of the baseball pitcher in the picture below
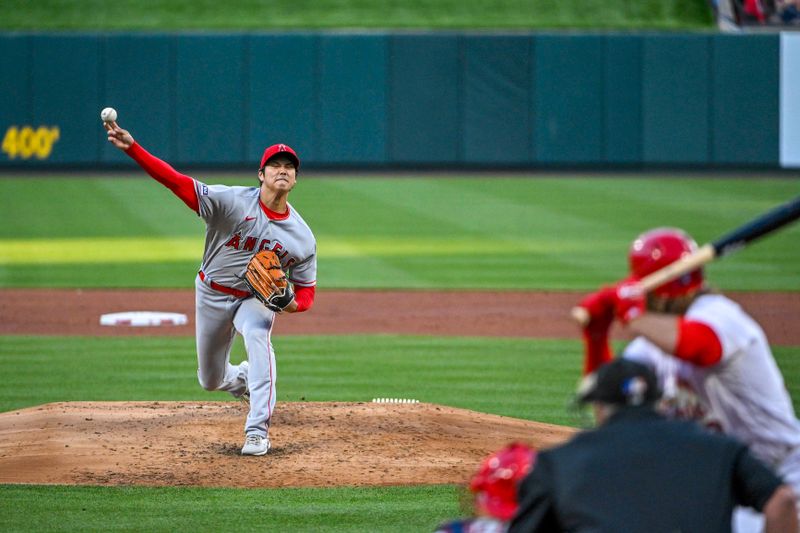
(259, 260)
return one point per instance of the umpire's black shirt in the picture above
(640, 472)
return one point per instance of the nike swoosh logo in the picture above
(248, 219)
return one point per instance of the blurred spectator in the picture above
(641, 472)
(788, 11)
(754, 10)
(495, 491)
(725, 13)
(732, 15)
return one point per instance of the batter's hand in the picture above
(120, 138)
(630, 300)
(624, 301)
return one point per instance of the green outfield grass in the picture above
(562, 232)
(169, 15)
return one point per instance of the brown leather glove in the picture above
(267, 281)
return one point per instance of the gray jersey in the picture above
(237, 227)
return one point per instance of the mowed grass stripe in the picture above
(489, 206)
(380, 509)
(70, 207)
(461, 372)
(524, 378)
(87, 250)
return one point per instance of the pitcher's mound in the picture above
(313, 444)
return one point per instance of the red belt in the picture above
(222, 288)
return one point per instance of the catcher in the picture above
(494, 489)
(259, 261)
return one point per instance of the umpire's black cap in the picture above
(620, 382)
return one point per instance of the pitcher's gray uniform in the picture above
(236, 228)
(240, 221)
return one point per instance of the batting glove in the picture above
(629, 300)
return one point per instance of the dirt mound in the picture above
(314, 444)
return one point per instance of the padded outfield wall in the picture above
(405, 100)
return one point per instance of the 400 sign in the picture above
(26, 142)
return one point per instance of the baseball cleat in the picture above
(255, 445)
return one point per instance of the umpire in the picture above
(640, 472)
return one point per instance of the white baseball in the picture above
(108, 114)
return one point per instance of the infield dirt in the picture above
(444, 313)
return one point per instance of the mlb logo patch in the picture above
(204, 190)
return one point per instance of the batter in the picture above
(240, 221)
(713, 360)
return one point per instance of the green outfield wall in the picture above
(396, 100)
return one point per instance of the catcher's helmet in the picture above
(657, 248)
(495, 483)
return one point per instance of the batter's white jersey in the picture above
(744, 393)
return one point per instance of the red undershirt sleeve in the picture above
(181, 185)
(597, 350)
(304, 296)
(697, 343)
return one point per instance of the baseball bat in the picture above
(735, 240)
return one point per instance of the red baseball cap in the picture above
(280, 149)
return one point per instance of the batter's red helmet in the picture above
(657, 248)
(280, 149)
(497, 479)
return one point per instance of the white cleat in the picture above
(255, 445)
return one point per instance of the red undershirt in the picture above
(696, 343)
(183, 187)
